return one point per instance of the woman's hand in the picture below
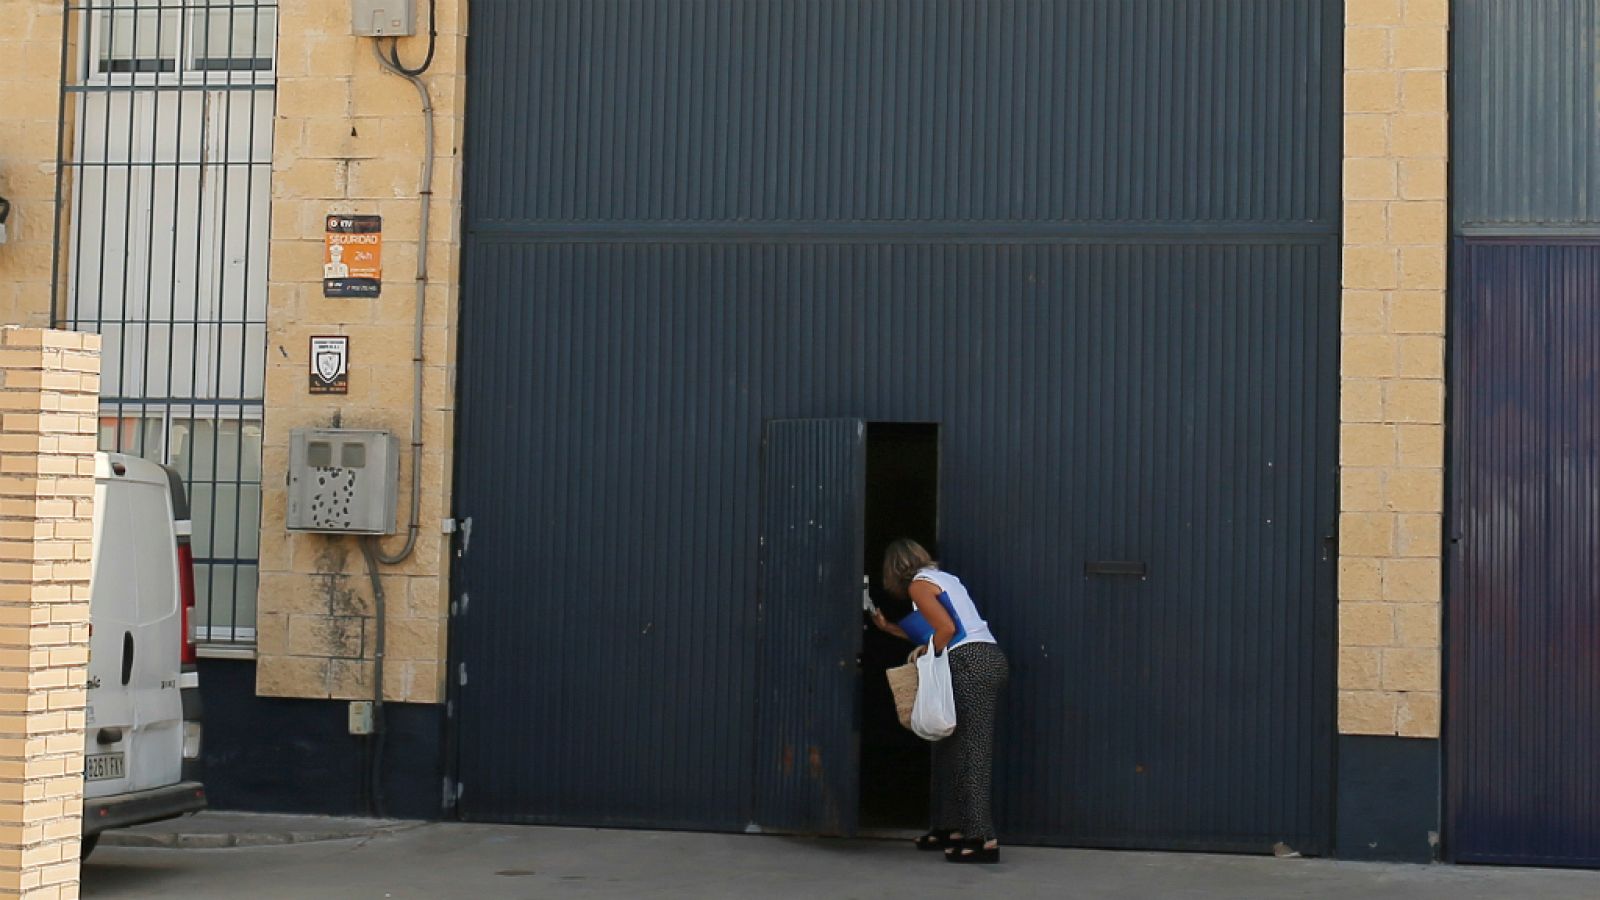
(888, 627)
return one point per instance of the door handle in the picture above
(127, 657)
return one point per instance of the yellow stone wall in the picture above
(1392, 431)
(30, 78)
(348, 138)
(49, 392)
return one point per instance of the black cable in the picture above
(375, 743)
(433, 44)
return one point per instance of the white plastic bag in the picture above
(933, 717)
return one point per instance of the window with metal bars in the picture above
(163, 204)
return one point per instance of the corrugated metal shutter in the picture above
(1095, 241)
(1524, 76)
(620, 112)
(1523, 774)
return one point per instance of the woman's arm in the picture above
(926, 597)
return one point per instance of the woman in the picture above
(962, 762)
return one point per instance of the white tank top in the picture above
(953, 594)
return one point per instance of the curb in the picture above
(227, 840)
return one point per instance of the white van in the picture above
(142, 744)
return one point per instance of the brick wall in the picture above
(1392, 432)
(348, 138)
(30, 67)
(49, 388)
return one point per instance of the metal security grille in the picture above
(161, 247)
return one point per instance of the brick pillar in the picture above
(49, 392)
(1391, 454)
(1392, 433)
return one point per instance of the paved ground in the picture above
(440, 862)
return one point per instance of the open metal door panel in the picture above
(806, 767)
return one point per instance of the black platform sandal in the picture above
(972, 852)
(938, 839)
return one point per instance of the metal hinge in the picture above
(465, 526)
(449, 793)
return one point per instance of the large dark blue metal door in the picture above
(1096, 241)
(813, 473)
(1524, 602)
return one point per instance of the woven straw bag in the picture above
(903, 683)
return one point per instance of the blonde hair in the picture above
(902, 560)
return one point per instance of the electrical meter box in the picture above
(342, 481)
(383, 18)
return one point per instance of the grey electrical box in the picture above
(360, 716)
(342, 481)
(383, 18)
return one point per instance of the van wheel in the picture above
(89, 843)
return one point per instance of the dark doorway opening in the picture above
(902, 500)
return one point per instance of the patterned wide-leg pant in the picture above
(963, 763)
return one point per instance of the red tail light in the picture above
(186, 589)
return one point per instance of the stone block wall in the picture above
(348, 138)
(30, 79)
(1392, 409)
(49, 390)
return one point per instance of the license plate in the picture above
(104, 767)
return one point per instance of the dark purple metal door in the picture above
(1523, 600)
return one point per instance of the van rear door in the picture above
(134, 740)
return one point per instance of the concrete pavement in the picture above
(448, 861)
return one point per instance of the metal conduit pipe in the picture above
(369, 551)
(370, 548)
(426, 196)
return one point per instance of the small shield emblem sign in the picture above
(330, 365)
